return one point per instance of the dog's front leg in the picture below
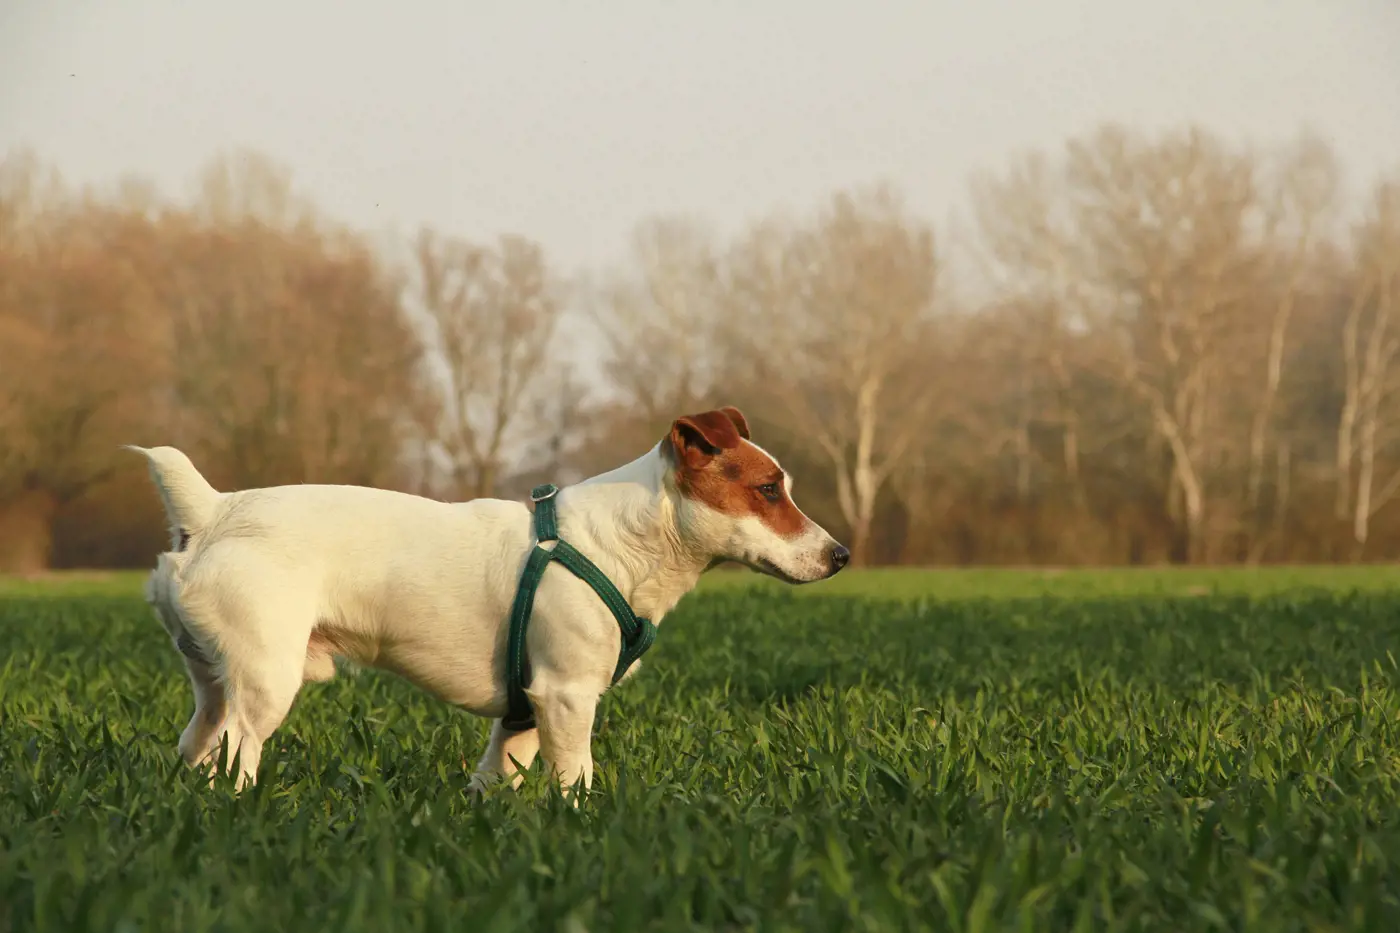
(496, 762)
(565, 718)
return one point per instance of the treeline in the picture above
(1161, 348)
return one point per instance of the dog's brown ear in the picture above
(741, 423)
(697, 439)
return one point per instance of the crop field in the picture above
(903, 751)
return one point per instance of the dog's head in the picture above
(735, 501)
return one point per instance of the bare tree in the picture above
(1171, 231)
(491, 317)
(1027, 233)
(1151, 246)
(1298, 210)
(832, 320)
(292, 358)
(658, 319)
(244, 186)
(1182, 356)
(1370, 341)
(74, 371)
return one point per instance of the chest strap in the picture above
(637, 633)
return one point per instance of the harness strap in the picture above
(637, 633)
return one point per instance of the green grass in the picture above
(996, 583)
(906, 584)
(69, 584)
(983, 751)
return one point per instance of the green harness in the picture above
(637, 633)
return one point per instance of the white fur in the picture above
(275, 582)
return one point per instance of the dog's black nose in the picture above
(840, 557)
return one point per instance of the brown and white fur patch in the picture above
(737, 499)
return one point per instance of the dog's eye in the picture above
(771, 491)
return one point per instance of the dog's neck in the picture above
(625, 521)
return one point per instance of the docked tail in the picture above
(190, 502)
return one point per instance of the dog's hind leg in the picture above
(201, 737)
(256, 640)
(259, 698)
(200, 740)
(496, 762)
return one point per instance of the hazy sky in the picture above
(570, 121)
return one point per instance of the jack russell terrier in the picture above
(263, 588)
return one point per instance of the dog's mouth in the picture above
(765, 566)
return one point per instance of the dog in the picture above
(263, 589)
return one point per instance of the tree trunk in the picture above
(1259, 547)
(1186, 480)
(1342, 504)
(860, 541)
(1195, 525)
(859, 503)
(1023, 463)
(1071, 457)
(1346, 423)
(1365, 481)
(1263, 415)
(856, 495)
(26, 532)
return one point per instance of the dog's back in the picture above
(340, 564)
(296, 524)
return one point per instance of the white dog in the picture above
(264, 588)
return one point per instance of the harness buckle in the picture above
(543, 493)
